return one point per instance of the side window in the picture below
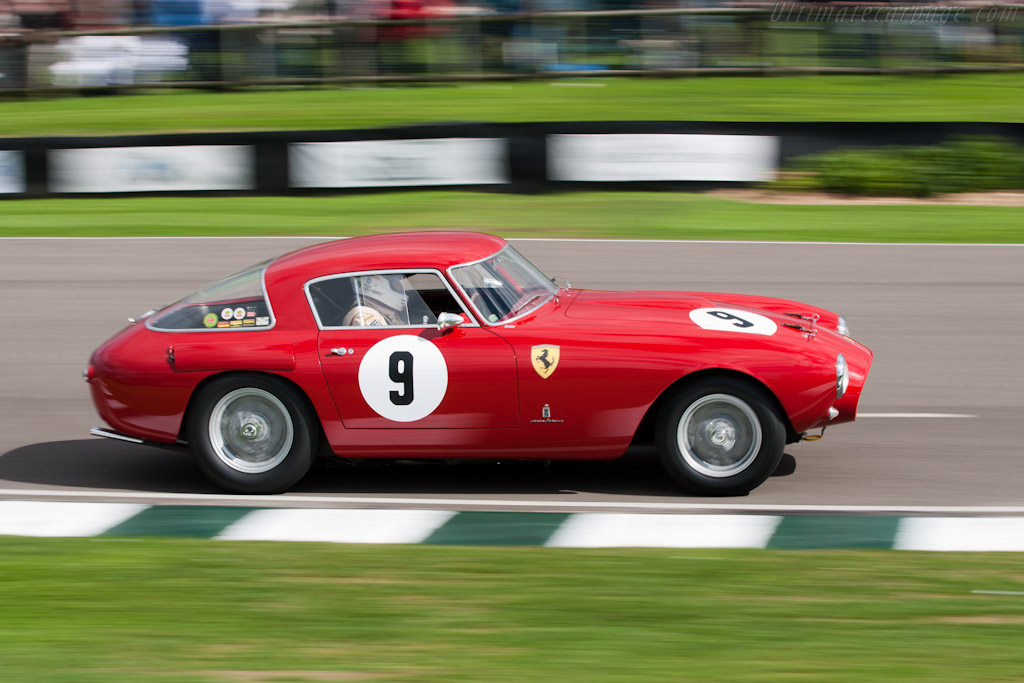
(381, 299)
(236, 302)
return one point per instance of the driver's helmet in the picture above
(388, 290)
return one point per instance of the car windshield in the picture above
(234, 302)
(504, 287)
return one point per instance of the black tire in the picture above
(252, 433)
(720, 437)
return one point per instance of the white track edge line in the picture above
(917, 415)
(582, 505)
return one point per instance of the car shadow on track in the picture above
(103, 464)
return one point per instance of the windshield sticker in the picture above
(733, 320)
(262, 320)
(210, 320)
(239, 313)
(403, 378)
(226, 314)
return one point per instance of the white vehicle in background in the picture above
(117, 60)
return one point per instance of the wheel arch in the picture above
(645, 430)
(198, 389)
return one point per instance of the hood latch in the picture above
(809, 328)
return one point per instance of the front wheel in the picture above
(252, 433)
(720, 437)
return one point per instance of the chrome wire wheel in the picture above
(251, 430)
(719, 435)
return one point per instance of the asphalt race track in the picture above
(942, 415)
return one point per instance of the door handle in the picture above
(341, 351)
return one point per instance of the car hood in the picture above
(674, 307)
(655, 307)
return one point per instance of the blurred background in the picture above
(48, 44)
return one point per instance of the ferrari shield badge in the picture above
(545, 359)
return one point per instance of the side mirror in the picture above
(447, 321)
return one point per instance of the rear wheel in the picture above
(252, 433)
(720, 437)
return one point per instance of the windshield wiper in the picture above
(525, 304)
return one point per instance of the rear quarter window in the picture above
(236, 302)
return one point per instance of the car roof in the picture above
(439, 250)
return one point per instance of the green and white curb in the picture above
(563, 530)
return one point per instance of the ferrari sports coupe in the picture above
(451, 345)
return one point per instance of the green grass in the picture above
(179, 610)
(988, 97)
(662, 215)
(991, 97)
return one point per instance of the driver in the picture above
(380, 300)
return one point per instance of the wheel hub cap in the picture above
(253, 429)
(722, 433)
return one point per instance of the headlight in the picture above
(842, 376)
(841, 327)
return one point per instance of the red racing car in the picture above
(454, 346)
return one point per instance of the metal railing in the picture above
(783, 38)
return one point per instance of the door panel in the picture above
(387, 378)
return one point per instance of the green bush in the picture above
(967, 164)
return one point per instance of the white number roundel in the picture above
(403, 378)
(733, 320)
